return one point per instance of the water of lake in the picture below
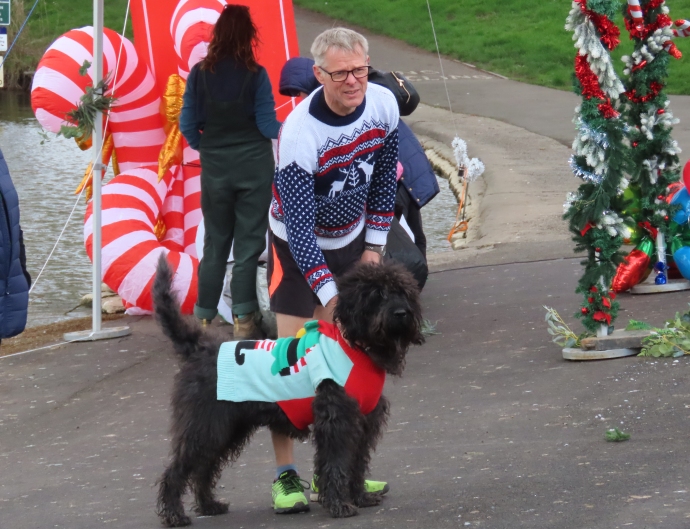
(46, 174)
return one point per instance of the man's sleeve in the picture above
(189, 121)
(295, 187)
(381, 199)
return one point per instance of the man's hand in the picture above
(370, 257)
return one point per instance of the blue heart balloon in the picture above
(682, 259)
(682, 198)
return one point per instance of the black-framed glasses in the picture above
(342, 75)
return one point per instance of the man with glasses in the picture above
(333, 202)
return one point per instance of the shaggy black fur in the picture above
(378, 308)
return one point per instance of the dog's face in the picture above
(378, 309)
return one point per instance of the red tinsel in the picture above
(646, 225)
(602, 317)
(588, 79)
(654, 90)
(643, 31)
(608, 111)
(609, 34)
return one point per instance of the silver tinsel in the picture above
(584, 174)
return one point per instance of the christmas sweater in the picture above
(335, 177)
(287, 371)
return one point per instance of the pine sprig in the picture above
(83, 117)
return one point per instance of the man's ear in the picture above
(318, 73)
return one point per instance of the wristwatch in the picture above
(378, 248)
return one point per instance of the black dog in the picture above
(378, 311)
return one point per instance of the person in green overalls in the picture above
(228, 115)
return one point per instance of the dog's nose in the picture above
(400, 313)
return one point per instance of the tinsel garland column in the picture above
(601, 159)
(647, 112)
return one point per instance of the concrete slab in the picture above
(490, 426)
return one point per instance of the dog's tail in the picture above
(183, 332)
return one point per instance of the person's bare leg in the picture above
(283, 446)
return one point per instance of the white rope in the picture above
(443, 75)
(46, 347)
(98, 157)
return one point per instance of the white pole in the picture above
(96, 333)
(97, 164)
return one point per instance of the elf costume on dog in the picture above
(287, 371)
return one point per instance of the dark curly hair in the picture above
(234, 36)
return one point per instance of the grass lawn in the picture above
(521, 39)
(51, 19)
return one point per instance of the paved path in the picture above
(490, 426)
(544, 111)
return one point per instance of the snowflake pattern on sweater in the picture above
(335, 177)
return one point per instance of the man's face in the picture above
(345, 96)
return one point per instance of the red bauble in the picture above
(635, 144)
(666, 217)
(584, 310)
(590, 300)
(661, 111)
(660, 197)
(598, 250)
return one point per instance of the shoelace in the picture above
(291, 484)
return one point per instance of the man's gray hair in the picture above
(339, 38)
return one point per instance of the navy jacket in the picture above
(225, 85)
(14, 283)
(418, 177)
(298, 76)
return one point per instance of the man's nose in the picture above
(350, 79)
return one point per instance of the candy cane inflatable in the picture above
(151, 207)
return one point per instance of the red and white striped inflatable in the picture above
(142, 217)
(134, 201)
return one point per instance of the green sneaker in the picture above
(288, 494)
(376, 487)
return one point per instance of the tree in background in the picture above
(654, 152)
(601, 159)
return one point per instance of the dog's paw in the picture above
(368, 499)
(174, 519)
(212, 508)
(343, 510)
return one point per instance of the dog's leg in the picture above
(173, 483)
(337, 427)
(204, 478)
(372, 430)
(207, 472)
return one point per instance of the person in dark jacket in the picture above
(417, 185)
(14, 279)
(228, 115)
